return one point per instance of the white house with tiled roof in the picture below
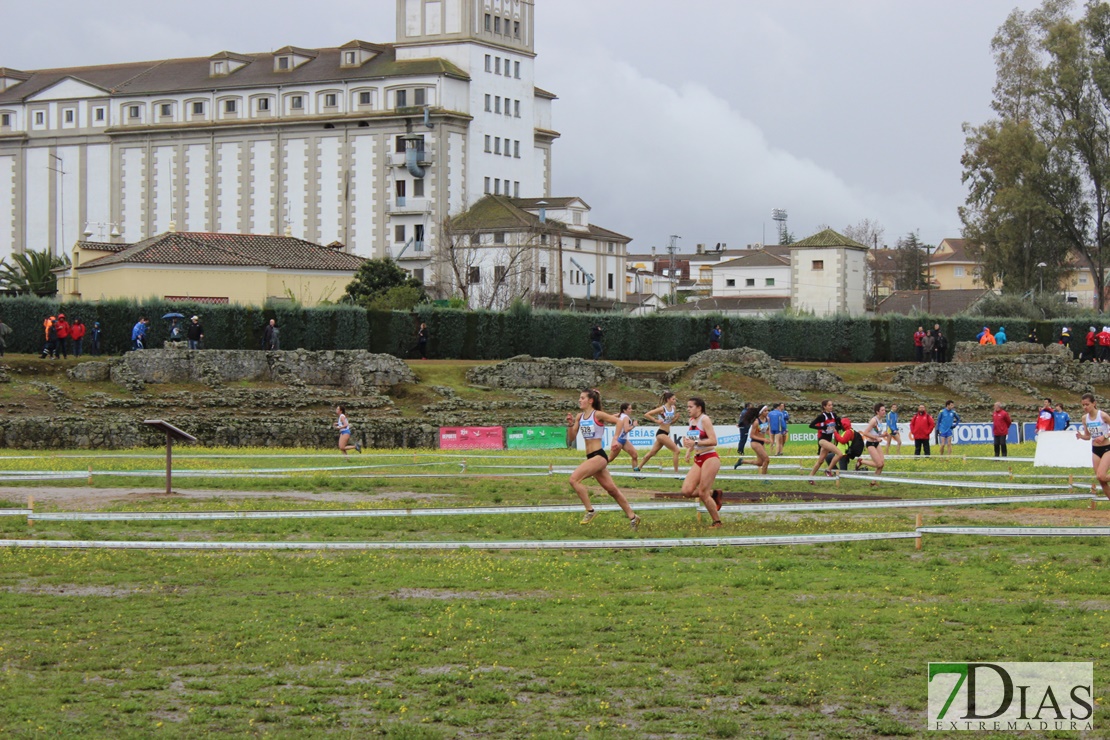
(759, 273)
(372, 145)
(209, 268)
(545, 251)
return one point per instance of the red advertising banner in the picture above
(471, 438)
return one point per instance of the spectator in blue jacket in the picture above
(1000, 335)
(947, 421)
(1060, 418)
(138, 333)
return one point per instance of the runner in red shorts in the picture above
(701, 440)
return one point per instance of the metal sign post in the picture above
(171, 433)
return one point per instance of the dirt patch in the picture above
(1034, 517)
(71, 589)
(439, 594)
(84, 498)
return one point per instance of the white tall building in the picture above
(370, 145)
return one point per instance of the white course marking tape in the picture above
(134, 516)
(15, 512)
(810, 539)
(1021, 531)
(956, 484)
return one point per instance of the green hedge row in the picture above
(485, 335)
(479, 335)
(225, 327)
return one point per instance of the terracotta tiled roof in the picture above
(757, 258)
(230, 250)
(828, 238)
(103, 246)
(933, 302)
(193, 74)
(957, 255)
(500, 212)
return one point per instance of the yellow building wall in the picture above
(248, 287)
(309, 288)
(945, 278)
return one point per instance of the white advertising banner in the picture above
(1062, 450)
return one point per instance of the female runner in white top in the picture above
(873, 436)
(620, 437)
(1096, 427)
(663, 416)
(757, 436)
(591, 422)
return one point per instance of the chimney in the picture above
(172, 227)
(288, 230)
(701, 249)
(543, 211)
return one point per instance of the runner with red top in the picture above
(701, 440)
(591, 421)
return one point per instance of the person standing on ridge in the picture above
(194, 333)
(77, 334)
(918, 348)
(595, 341)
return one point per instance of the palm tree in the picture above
(32, 272)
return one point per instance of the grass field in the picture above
(778, 642)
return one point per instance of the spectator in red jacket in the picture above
(63, 327)
(77, 334)
(1089, 355)
(1046, 422)
(1103, 341)
(1002, 422)
(919, 343)
(921, 428)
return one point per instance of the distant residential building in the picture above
(757, 273)
(883, 271)
(209, 268)
(951, 267)
(533, 249)
(828, 275)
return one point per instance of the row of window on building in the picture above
(500, 272)
(511, 107)
(494, 187)
(502, 26)
(503, 67)
(510, 149)
(750, 282)
(262, 106)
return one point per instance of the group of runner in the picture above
(700, 441)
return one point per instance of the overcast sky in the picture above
(680, 118)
